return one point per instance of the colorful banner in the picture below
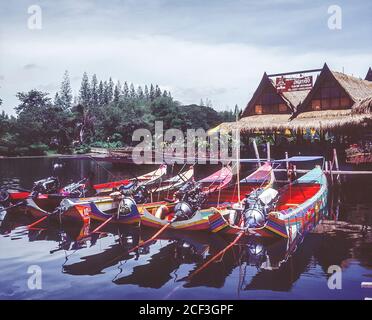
(293, 84)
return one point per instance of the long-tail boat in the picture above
(186, 216)
(105, 206)
(128, 211)
(288, 214)
(45, 195)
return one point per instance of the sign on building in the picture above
(293, 84)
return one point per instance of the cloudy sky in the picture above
(216, 49)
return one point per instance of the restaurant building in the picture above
(335, 108)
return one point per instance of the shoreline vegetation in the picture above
(103, 115)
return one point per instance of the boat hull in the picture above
(288, 223)
(199, 222)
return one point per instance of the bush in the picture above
(21, 151)
(107, 145)
(82, 149)
(38, 149)
(4, 151)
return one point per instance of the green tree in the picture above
(125, 91)
(85, 92)
(65, 94)
(157, 92)
(101, 94)
(146, 92)
(110, 90)
(117, 92)
(152, 92)
(140, 93)
(132, 92)
(94, 92)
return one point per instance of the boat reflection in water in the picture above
(252, 264)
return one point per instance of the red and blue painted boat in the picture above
(146, 211)
(295, 213)
(263, 177)
(49, 201)
(221, 196)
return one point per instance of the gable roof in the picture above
(291, 98)
(369, 75)
(295, 98)
(356, 89)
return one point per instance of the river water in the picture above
(99, 268)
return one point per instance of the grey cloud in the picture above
(31, 66)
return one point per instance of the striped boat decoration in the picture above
(276, 226)
(97, 214)
(198, 222)
(217, 222)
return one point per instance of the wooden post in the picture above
(287, 164)
(268, 151)
(326, 167)
(330, 170)
(336, 163)
(256, 152)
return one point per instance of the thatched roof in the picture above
(319, 120)
(363, 106)
(295, 98)
(356, 89)
(327, 120)
(265, 122)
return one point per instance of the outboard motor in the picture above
(4, 197)
(141, 195)
(256, 254)
(257, 205)
(126, 206)
(75, 189)
(48, 185)
(191, 199)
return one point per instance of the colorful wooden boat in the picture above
(41, 204)
(104, 207)
(219, 179)
(50, 201)
(146, 211)
(147, 179)
(166, 189)
(297, 208)
(262, 177)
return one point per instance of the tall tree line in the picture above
(103, 113)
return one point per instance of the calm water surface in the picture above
(99, 268)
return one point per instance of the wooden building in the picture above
(268, 100)
(369, 75)
(335, 102)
